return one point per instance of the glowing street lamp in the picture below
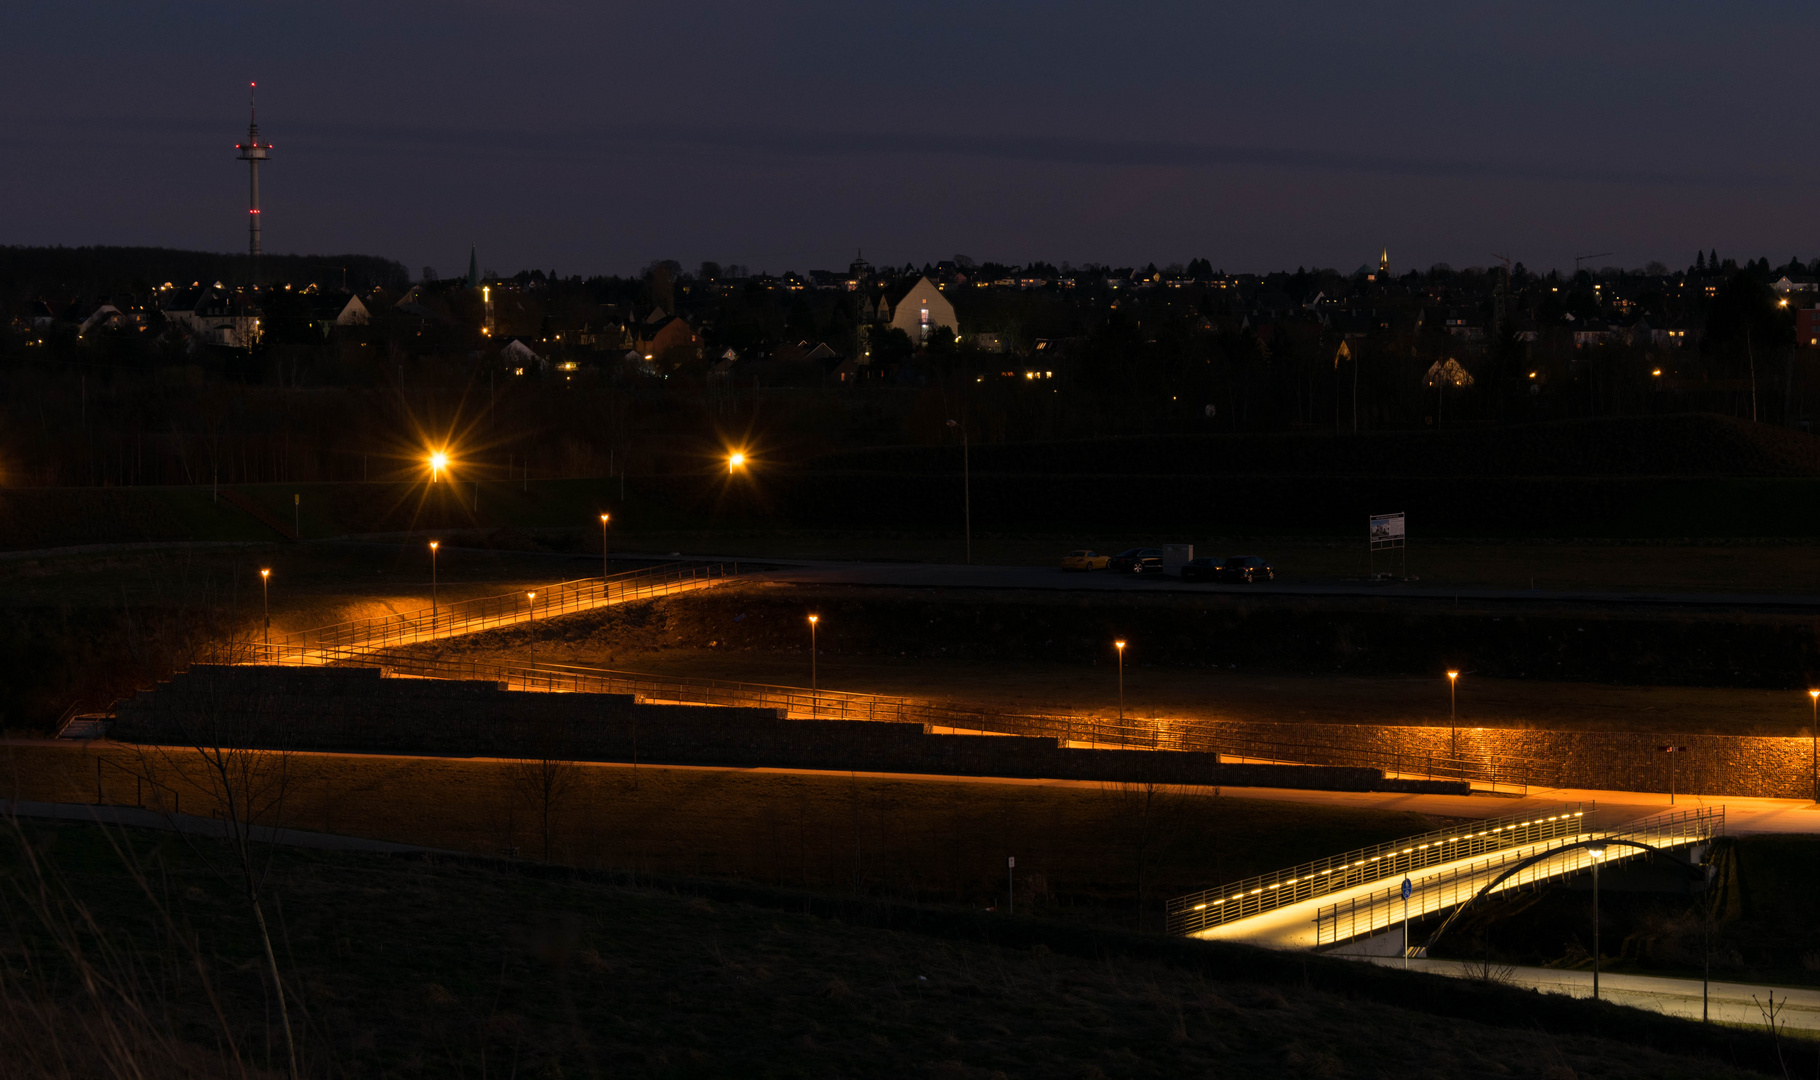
(735, 461)
(1453, 730)
(1814, 696)
(265, 600)
(813, 619)
(1120, 646)
(439, 460)
(434, 544)
(531, 604)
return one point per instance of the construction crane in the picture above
(1578, 259)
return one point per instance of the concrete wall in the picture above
(1615, 760)
(354, 709)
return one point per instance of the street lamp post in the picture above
(1120, 646)
(531, 605)
(1814, 696)
(1598, 856)
(603, 547)
(265, 602)
(966, 491)
(434, 544)
(1453, 728)
(813, 688)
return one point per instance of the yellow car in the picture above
(1085, 560)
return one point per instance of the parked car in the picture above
(1138, 561)
(1245, 569)
(1206, 568)
(1085, 560)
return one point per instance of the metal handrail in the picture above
(1264, 892)
(1367, 914)
(488, 612)
(819, 704)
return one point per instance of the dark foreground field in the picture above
(417, 967)
(1103, 853)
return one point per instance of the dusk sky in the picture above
(594, 137)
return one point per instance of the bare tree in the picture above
(1147, 822)
(547, 776)
(224, 739)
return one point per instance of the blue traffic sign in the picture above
(1407, 888)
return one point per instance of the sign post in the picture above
(1671, 751)
(1387, 531)
(1011, 883)
(1407, 889)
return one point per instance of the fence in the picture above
(1242, 899)
(1375, 911)
(359, 636)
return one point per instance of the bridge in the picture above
(1341, 900)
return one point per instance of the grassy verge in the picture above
(1104, 853)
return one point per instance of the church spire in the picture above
(473, 268)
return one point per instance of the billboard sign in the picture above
(1386, 530)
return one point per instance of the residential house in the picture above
(215, 316)
(667, 335)
(1807, 326)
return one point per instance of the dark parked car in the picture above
(1138, 561)
(1202, 569)
(1245, 569)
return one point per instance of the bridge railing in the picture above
(1362, 915)
(1266, 892)
(486, 612)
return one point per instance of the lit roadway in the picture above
(953, 576)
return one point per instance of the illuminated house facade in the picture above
(923, 309)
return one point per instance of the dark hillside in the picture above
(71, 272)
(1687, 445)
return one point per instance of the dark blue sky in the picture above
(595, 137)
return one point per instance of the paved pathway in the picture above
(1727, 1002)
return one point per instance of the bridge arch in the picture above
(1531, 861)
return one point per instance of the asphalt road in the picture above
(952, 576)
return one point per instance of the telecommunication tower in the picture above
(253, 152)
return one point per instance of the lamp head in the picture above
(1597, 852)
(813, 619)
(434, 544)
(1453, 674)
(736, 460)
(1118, 645)
(1815, 694)
(265, 573)
(439, 460)
(603, 518)
(531, 595)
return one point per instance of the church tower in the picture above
(1384, 265)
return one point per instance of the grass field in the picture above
(415, 967)
(1083, 851)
